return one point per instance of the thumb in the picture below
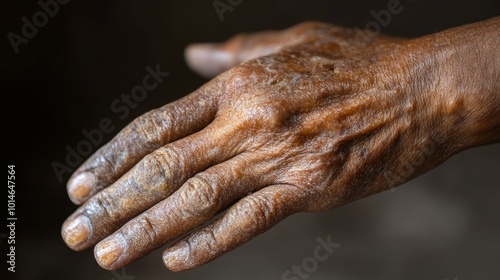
(210, 59)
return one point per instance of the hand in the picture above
(327, 117)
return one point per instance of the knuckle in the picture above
(257, 112)
(248, 101)
(148, 128)
(210, 239)
(162, 163)
(262, 115)
(240, 77)
(163, 120)
(259, 76)
(215, 244)
(198, 191)
(255, 212)
(105, 162)
(102, 206)
(146, 228)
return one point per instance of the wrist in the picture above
(463, 71)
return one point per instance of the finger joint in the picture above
(200, 192)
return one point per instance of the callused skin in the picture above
(324, 118)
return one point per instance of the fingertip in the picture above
(76, 231)
(176, 258)
(208, 59)
(108, 252)
(80, 187)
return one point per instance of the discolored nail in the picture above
(76, 231)
(109, 250)
(176, 257)
(208, 58)
(79, 187)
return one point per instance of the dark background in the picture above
(442, 225)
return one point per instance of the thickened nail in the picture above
(176, 257)
(108, 251)
(209, 59)
(76, 231)
(79, 187)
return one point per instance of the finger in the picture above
(246, 219)
(145, 134)
(210, 59)
(195, 203)
(153, 179)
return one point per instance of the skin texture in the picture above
(304, 120)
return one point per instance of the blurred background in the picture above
(442, 225)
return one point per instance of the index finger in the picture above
(144, 135)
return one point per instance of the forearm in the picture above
(469, 81)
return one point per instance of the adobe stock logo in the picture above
(382, 18)
(29, 30)
(221, 7)
(122, 275)
(310, 264)
(122, 108)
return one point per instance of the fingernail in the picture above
(77, 231)
(176, 257)
(110, 250)
(79, 187)
(208, 59)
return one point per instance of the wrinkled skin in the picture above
(328, 116)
